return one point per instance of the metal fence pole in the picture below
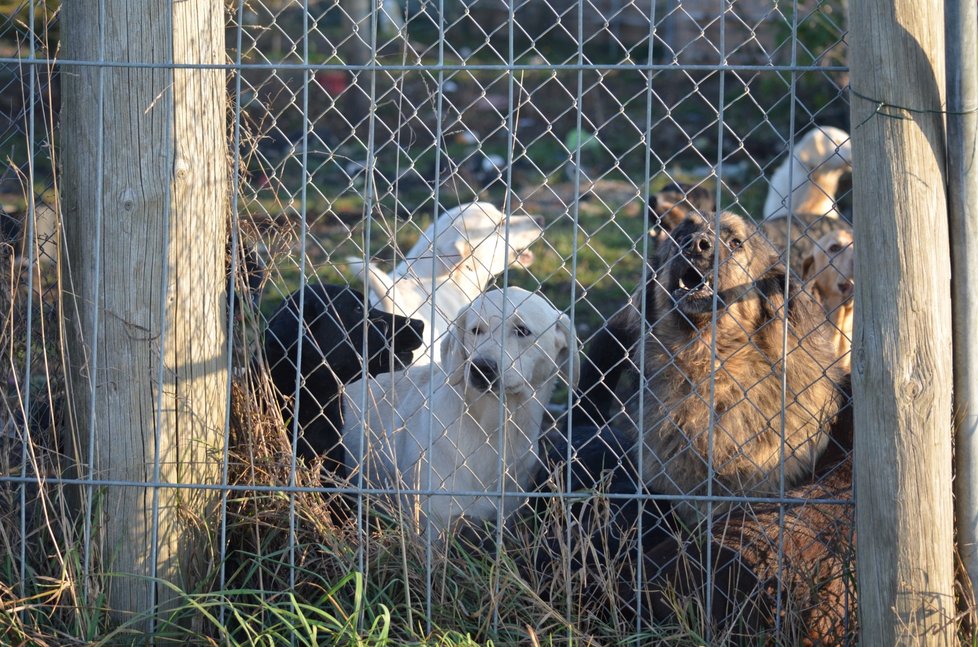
(961, 21)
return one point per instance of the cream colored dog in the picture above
(450, 265)
(464, 431)
(813, 170)
(829, 273)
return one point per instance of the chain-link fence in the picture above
(501, 366)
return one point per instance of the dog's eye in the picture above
(476, 330)
(835, 248)
(521, 330)
(736, 243)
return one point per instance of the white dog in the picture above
(815, 166)
(457, 426)
(450, 265)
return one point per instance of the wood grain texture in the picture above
(144, 282)
(902, 350)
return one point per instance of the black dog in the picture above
(336, 326)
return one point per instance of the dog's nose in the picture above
(483, 373)
(699, 244)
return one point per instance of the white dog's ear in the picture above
(453, 349)
(567, 355)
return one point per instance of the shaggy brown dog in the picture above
(829, 274)
(599, 396)
(714, 403)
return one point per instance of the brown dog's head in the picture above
(829, 269)
(730, 261)
(672, 204)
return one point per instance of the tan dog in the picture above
(829, 273)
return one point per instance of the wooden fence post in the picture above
(902, 348)
(145, 182)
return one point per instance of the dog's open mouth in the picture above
(692, 284)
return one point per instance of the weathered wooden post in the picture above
(962, 198)
(145, 208)
(902, 351)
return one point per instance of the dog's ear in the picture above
(568, 355)
(464, 254)
(803, 308)
(807, 266)
(453, 349)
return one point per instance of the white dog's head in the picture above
(510, 340)
(472, 239)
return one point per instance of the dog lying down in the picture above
(450, 265)
(441, 427)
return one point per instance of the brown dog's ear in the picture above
(807, 266)
(803, 310)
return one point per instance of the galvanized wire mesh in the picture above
(359, 134)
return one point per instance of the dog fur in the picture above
(450, 265)
(332, 336)
(438, 427)
(829, 273)
(813, 169)
(743, 382)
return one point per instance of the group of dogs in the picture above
(721, 376)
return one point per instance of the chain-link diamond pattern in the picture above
(394, 160)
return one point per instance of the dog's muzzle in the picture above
(483, 374)
(692, 272)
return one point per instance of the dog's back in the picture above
(452, 262)
(811, 175)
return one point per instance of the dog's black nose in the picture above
(483, 374)
(699, 244)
